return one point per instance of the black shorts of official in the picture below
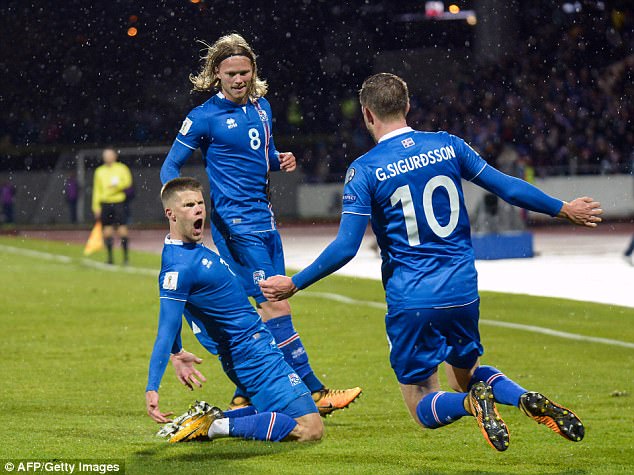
(114, 214)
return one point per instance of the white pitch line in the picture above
(493, 323)
(37, 254)
(325, 295)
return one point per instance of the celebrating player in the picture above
(409, 185)
(233, 130)
(196, 282)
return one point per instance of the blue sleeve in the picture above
(177, 346)
(471, 164)
(517, 192)
(274, 155)
(274, 159)
(176, 158)
(170, 321)
(338, 253)
(357, 194)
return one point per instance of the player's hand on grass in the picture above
(189, 376)
(582, 211)
(152, 405)
(288, 163)
(278, 287)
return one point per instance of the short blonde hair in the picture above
(226, 46)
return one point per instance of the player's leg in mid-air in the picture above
(462, 375)
(282, 409)
(418, 344)
(258, 256)
(535, 405)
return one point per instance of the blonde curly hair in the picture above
(226, 46)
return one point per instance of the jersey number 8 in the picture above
(255, 140)
(403, 195)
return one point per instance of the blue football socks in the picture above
(273, 426)
(505, 390)
(441, 408)
(290, 344)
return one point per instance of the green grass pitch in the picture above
(76, 343)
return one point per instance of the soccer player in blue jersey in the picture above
(194, 281)
(409, 187)
(233, 131)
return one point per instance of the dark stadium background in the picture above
(552, 80)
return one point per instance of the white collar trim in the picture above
(396, 132)
(176, 242)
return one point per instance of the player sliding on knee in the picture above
(197, 283)
(410, 187)
(205, 422)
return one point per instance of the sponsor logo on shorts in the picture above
(258, 276)
(294, 379)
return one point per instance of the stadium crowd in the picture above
(559, 104)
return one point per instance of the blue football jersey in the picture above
(238, 149)
(410, 184)
(217, 307)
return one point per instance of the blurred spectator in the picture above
(7, 197)
(71, 193)
(564, 94)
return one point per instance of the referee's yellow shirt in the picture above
(109, 184)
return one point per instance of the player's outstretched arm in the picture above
(582, 211)
(176, 158)
(338, 253)
(183, 363)
(170, 317)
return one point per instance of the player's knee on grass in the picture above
(309, 428)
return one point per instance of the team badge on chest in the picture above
(231, 123)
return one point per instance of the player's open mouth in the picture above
(198, 225)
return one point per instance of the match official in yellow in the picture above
(111, 188)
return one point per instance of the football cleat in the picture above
(193, 424)
(491, 424)
(559, 419)
(330, 400)
(238, 402)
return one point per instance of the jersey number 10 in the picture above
(403, 195)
